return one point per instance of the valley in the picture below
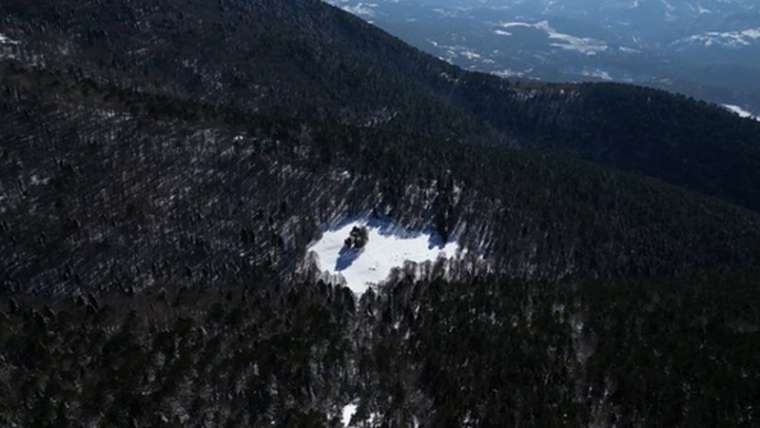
(650, 43)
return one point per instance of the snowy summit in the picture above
(387, 247)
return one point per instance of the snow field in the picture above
(388, 248)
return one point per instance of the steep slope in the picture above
(309, 59)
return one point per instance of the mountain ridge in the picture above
(387, 84)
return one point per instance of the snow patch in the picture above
(388, 247)
(597, 74)
(628, 50)
(508, 72)
(4, 40)
(359, 9)
(731, 39)
(349, 410)
(453, 51)
(741, 112)
(584, 45)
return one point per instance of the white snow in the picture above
(628, 50)
(741, 112)
(454, 51)
(731, 39)
(359, 9)
(584, 45)
(470, 54)
(388, 247)
(597, 74)
(4, 40)
(508, 72)
(349, 410)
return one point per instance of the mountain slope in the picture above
(108, 188)
(306, 58)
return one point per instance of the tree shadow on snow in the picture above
(436, 241)
(346, 258)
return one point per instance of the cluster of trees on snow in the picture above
(357, 238)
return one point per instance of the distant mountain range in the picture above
(708, 49)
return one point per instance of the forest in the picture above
(660, 352)
(166, 165)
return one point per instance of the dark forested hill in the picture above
(164, 166)
(304, 57)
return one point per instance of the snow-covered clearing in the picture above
(388, 247)
(741, 112)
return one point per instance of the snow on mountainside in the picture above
(741, 112)
(584, 45)
(730, 39)
(366, 10)
(388, 247)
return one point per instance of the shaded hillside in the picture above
(309, 59)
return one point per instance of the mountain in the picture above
(171, 171)
(300, 59)
(125, 81)
(182, 192)
(705, 49)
